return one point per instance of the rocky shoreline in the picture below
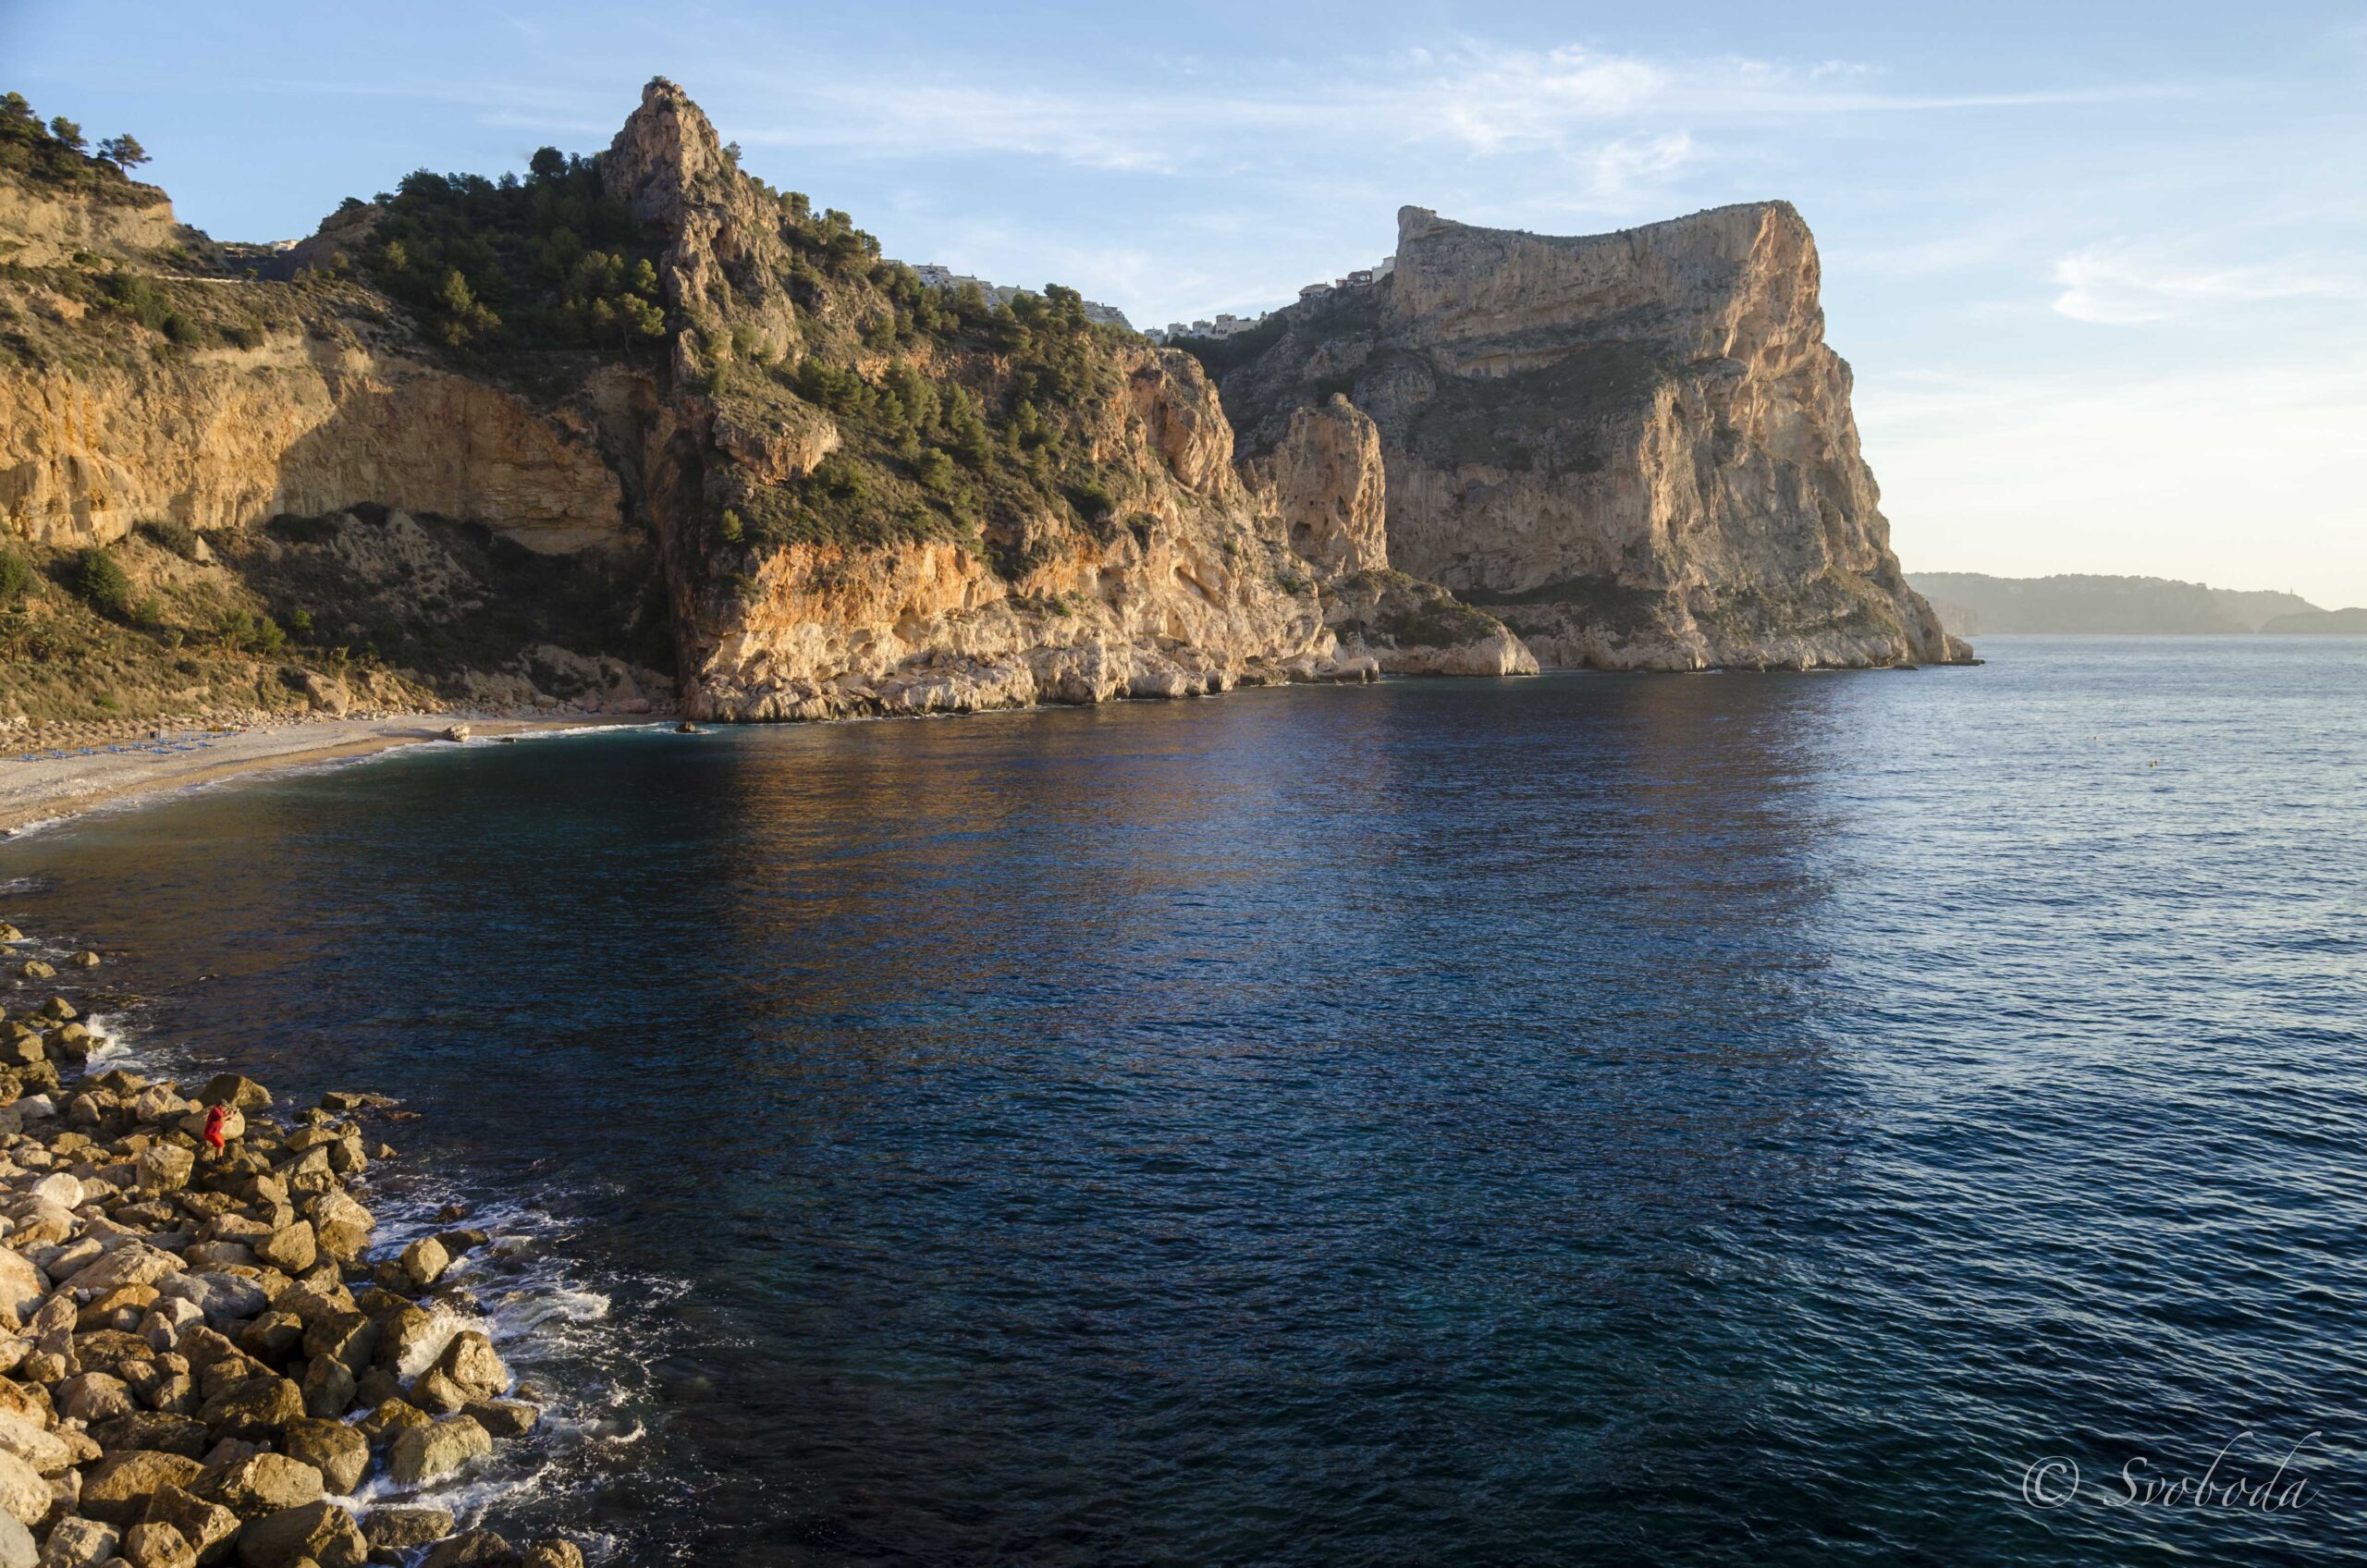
(203, 1358)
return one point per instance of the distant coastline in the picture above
(1975, 604)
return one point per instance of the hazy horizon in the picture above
(2098, 274)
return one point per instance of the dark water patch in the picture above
(1582, 1120)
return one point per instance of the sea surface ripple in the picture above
(1707, 1119)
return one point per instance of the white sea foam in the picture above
(555, 1332)
(38, 825)
(114, 1047)
(552, 1325)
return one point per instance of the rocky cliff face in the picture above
(1195, 594)
(521, 439)
(725, 263)
(222, 437)
(1173, 579)
(1635, 448)
(38, 229)
(211, 431)
(1327, 480)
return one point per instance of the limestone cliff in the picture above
(1330, 487)
(167, 409)
(1193, 594)
(223, 436)
(1328, 482)
(718, 416)
(43, 224)
(870, 500)
(520, 439)
(1635, 448)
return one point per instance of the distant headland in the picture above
(1975, 604)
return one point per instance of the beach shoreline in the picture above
(50, 787)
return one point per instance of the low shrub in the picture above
(177, 537)
(100, 582)
(18, 579)
(250, 632)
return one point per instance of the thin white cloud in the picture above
(1486, 102)
(2120, 283)
(1618, 165)
(1501, 101)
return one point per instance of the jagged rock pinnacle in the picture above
(666, 150)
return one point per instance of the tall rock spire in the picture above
(725, 255)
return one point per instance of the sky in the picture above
(2100, 269)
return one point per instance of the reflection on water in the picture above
(1581, 1119)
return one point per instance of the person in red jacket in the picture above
(215, 1116)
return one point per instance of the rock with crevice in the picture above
(1329, 484)
(1635, 449)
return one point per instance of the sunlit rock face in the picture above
(1185, 587)
(1635, 448)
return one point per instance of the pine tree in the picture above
(124, 152)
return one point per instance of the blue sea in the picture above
(1874, 1118)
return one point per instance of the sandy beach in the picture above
(51, 785)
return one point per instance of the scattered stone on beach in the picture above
(26, 1498)
(290, 1249)
(33, 969)
(504, 1417)
(338, 1451)
(260, 1484)
(400, 1529)
(423, 1262)
(205, 1525)
(155, 1544)
(118, 1491)
(466, 1370)
(45, 1451)
(420, 1454)
(391, 1418)
(460, 1243)
(78, 1541)
(456, 732)
(319, 1532)
(86, 959)
(201, 1350)
(342, 1226)
(329, 1386)
(236, 1092)
(474, 1548)
(404, 1333)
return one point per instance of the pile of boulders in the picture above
(201, 1358)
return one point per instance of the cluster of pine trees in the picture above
(547, 261)
(972, 426)
(58, 153)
